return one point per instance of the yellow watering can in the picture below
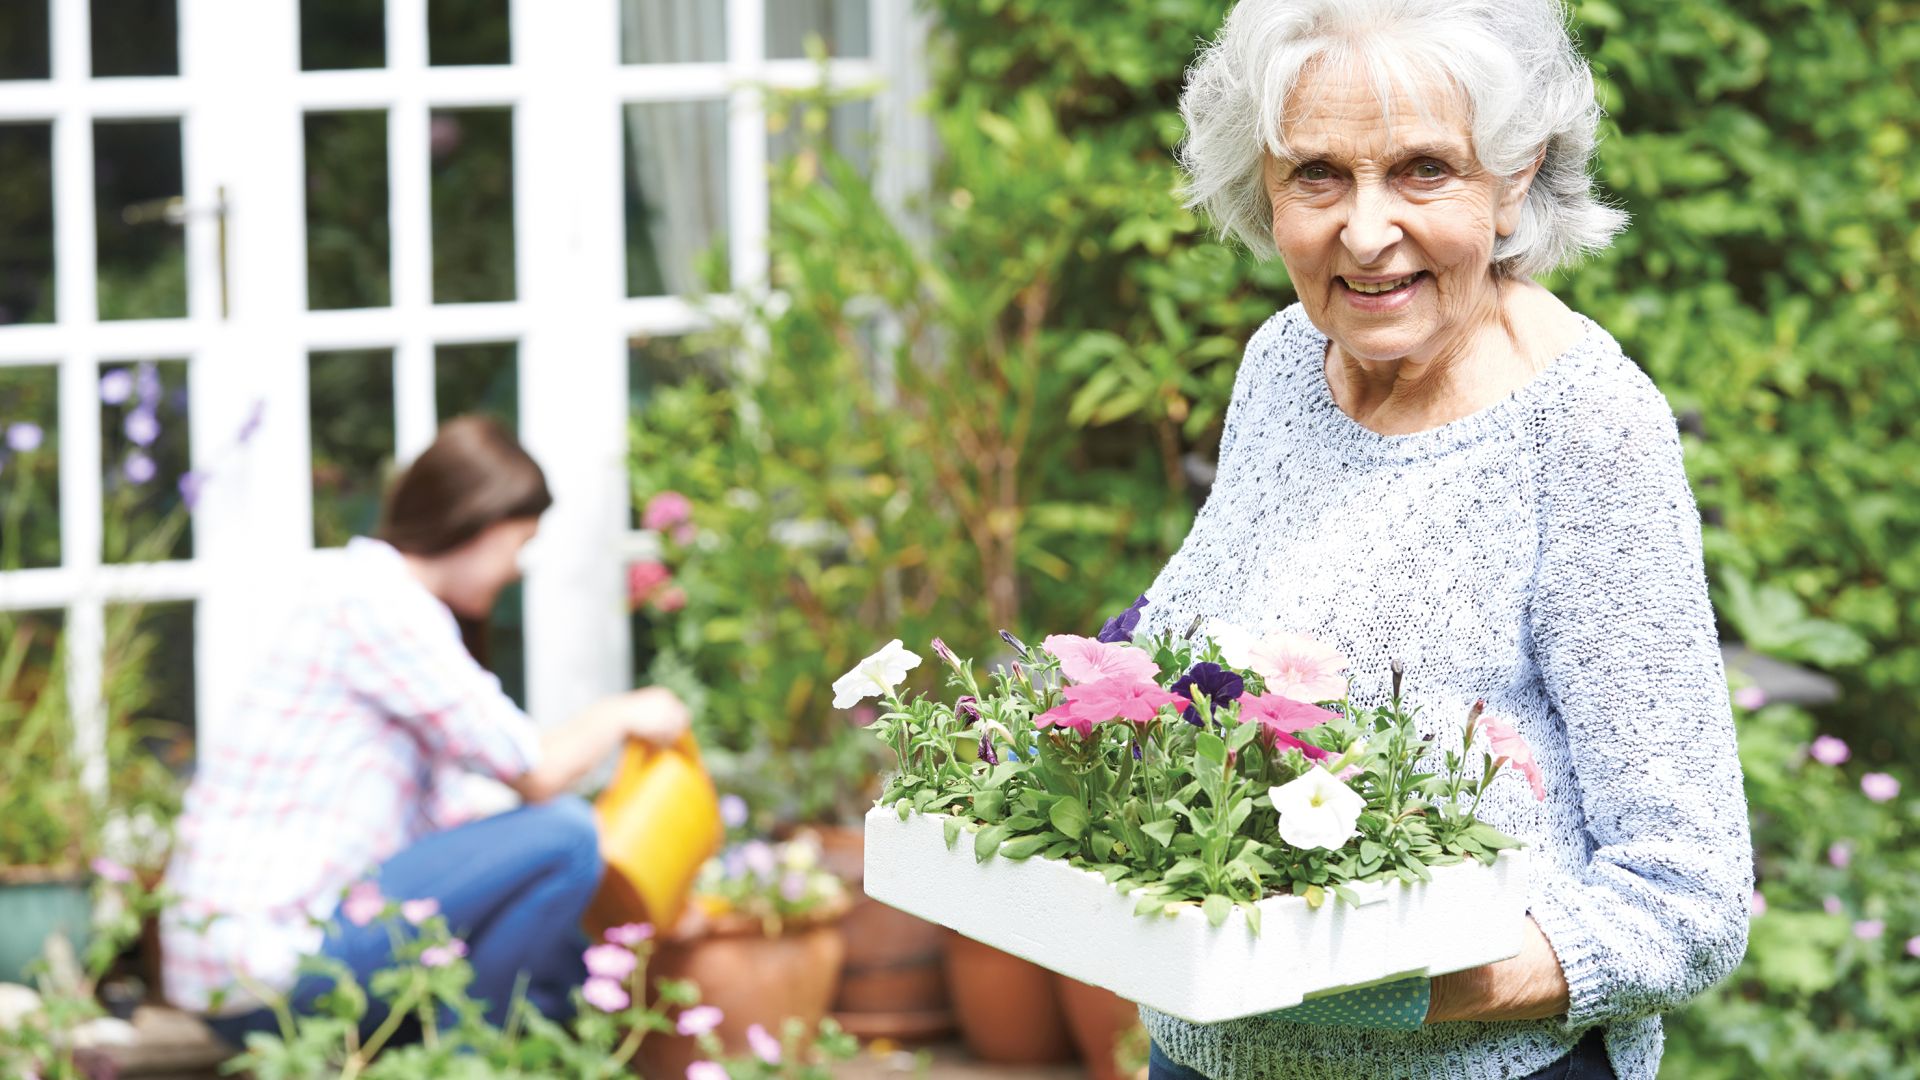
(659, 823)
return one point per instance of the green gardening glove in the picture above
(1391, 1006)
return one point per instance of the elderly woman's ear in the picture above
(1513, 199)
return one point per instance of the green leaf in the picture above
(1217, 908)
(950, 828)
(1253, 916)
(987, 841)
(989, 805)
(1025, 847)
(1315, 896)
(1211, 748)
(1069, 817)
(1346, 895)
(1162, 830)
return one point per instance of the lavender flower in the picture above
(1213, 682)
(1120, 628)
(24, 437)
(147, 379)
(1828, 750)
(142, 426)
(967, 709)
(139, 468)
(116, 386)
(733, 811)
(1880, 787)
(987, 752)
(191, 485)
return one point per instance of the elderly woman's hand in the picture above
(1529, 986)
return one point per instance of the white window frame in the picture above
(241, 100)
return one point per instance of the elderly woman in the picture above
(1431, 459)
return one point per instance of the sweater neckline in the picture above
(1447, 437)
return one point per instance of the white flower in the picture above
(1236, 645)
(876, 675)
(1316, 810)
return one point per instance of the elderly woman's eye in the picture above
(1429, 170)
(1313, 171)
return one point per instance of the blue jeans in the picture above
(1586, 1061)
(513, 886)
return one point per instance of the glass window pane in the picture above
(148, 685)
(35, 729)
(144, 456)
(136, 37)
(26, 43)
(840, 24)
(672, 32)
(482, 379)
(26, 220)
(350, 401)
(138, 183)
(507, 642)
(472, 205)
(349, 250)
(29, 467)
(848, 130)
(676, 197)
(468, 32)
(336, 34)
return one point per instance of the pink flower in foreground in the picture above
(1099, 702)
(665, 511)
(434, 956)
(610, 961)
(1913, 946)
(706, 1070)
(363, 903)
(1828, 750)
(419, 911)
(605, 994)
(1508, 743)
(1282, 717)
(630, 934)
(1869, 929)
(1831, 905)
(1880, 787)
(1084, 660)
(699, 1020)
(1840, 854)
(108, 870)
(764, 1046)
(1758, 905)
(1293, 665)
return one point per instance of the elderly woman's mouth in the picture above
(1376, 286)
(1382, 294)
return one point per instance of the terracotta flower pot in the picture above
(752, 978)
(1097, 1018)
(1007, 1008)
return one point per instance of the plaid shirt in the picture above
(348, 744)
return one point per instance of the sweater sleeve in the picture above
(1628, 650)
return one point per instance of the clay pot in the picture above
(751, 977)
(1097, 1019)
(1008, 1011)
(894, 983)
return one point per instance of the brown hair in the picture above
(474, 475)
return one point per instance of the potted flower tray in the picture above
(1070, 920)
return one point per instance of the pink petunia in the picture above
(629, 934)
(1085, 660)
(363, 903)
(667, 510)
(764, 1046)
(108, 870)
(1750, 697)
(419, 911)
(1913, 946)
(1869, 929)
(434, 956)
(1840, 854)
(706, 1070)
(644, 579)
(605, 994)
(1757, 906)
(1293, 665)
(1508, 743)
(699, 1020)
(1828, 750)
(1282, 717)
(1100, 702)
(610, 961)
(1831, 905)
(1880, 787)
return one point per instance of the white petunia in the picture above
(876, 675)
(1317, 810)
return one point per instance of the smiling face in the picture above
(1385, 220)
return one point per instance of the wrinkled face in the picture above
(487, 564)
(1386, 221)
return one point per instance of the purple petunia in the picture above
(116, 386)
(967, 709)
(24, 438)
(1120, 628)
(191, 484)
(987, 753)
(1211, 681)
(142, 427)
(139, 468)
(147, 379)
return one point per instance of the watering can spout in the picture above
(659, 823)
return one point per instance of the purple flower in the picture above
(1880, 787)
(1211, 681)
(1828, 750)
(1840, 854)
(630, 934)
(1120, 628)
(108, 870)
(793, 887)
(116, 386)
(759, 858)
(987, 753)
(147, 378)
(142, 427)
(733, 811)
(139, 468)
(610, 961)
(967, 709)
(251, 425)
(1869, 929)
(24, 437)
(191, 485)
(1014, 643)
(699, 1020)
(941, 650)
(605, 994)
(764, 1046)
(1137, 755)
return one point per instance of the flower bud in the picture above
(940, 650)
(1399, 673)
(967, 709)
(987, 753)
(1015, 643)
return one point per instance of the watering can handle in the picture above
(640, 751)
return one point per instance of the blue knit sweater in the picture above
(1543, 554)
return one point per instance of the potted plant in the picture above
(763, 942)
(1168, 817)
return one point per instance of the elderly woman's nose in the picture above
(1370, 228)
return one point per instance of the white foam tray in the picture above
(1070, 920)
